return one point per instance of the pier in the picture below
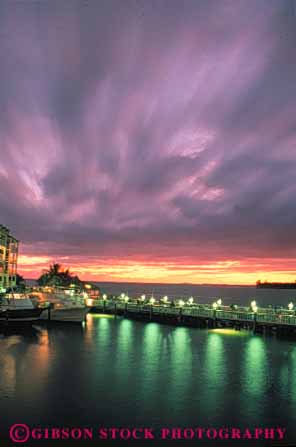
(259, 320)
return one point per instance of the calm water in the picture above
(118, 372)
(204, 294)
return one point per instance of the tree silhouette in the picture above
(55, 275)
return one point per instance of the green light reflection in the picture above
(124, 351)
(150, 371)
(180, 369)
(214, 366)
(214, 372)
(255, 367)
(293, 378)
(255, 379)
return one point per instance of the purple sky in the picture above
(149, 132)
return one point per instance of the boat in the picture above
(61, 304)
(275, 285)
(18, 308)
(61, 313)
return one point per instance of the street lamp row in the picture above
(190, 301)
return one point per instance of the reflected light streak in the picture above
(227, 331)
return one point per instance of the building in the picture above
(8, 258)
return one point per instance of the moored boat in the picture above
(61, 304)
(61, 313)
(18, 308)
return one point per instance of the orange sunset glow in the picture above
(245, 272)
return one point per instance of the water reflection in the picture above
(151, 353)
(229, 331)
(284, 377)
(99, 338)
(7, 375)
(255, 367)
(292, 375)
(180, 368)
(214, 371)
(123, 372)
(124, 351)
(18, 359)
(255, 378)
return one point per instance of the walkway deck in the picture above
(281, 321)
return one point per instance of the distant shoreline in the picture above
(162, 283)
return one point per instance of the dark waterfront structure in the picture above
(280, 322)
(275, 285)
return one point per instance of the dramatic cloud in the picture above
(150, 139)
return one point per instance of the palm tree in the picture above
(54, 269)
(56, 276)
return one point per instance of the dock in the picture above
(279, 322)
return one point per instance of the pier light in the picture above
(143, 297)
(290, 306)
(181, 303)
(190, 301)
(255, 309)
(126, 298)
(122, 295)
(165, 299)
(104, 297)
(253, 303)
(219, 302)
(215, 305)
(152, 300)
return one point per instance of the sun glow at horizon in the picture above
(236, 272)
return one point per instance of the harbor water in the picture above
(115, 372)
(205, 293)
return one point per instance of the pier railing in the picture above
(263, 316)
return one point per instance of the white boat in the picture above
(60, 312)
(64, 305)
(18, 308)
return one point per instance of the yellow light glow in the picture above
(228, 331)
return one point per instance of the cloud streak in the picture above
(138, 131)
